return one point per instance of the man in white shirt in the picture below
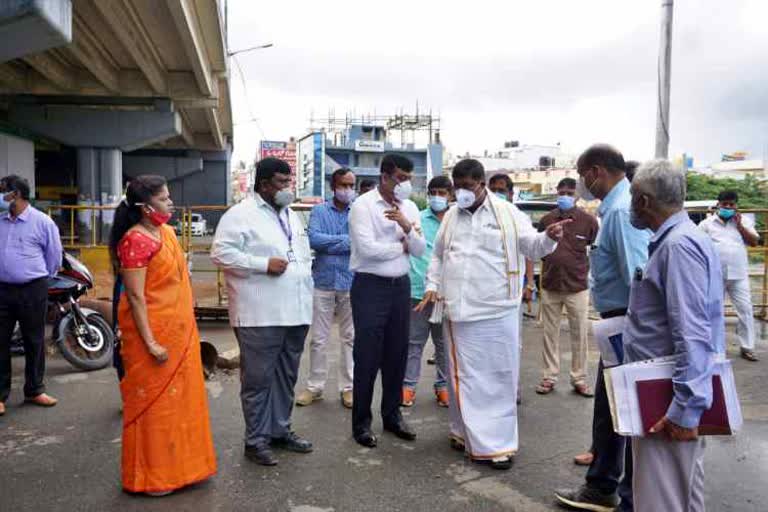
(731, 233)
(478, 256)
(263, 249)
(384, 230)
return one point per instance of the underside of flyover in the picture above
(94, 92)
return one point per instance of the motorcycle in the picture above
(83, 336)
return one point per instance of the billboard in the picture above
(282, 150)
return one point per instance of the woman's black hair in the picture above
(140, 191)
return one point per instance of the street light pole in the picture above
(260, 47)
(664, 80)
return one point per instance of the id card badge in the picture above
(291, 256)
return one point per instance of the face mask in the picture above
(583, 191)
(4, 205)
(283, 198)
(465, 198)
(501, 195)
(157, 218)
(438, 204)
(403, 190)
(345, 195)
(565, 203)
(727, 213)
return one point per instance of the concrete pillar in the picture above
(100, 182)
(111, 179)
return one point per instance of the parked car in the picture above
(198, 225)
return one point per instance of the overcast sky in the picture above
(537, 71)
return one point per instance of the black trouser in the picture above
(381, 315)
(27, 305)
(613, 454)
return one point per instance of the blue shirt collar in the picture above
(331, 204)
(23, 217)
(669, 224)
(613, 196)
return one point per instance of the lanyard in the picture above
(286, 227)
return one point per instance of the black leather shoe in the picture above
(260, 455)
(366, 438)
(401, 430)
(585, 498)
(293, 443)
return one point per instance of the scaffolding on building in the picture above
(401, 126)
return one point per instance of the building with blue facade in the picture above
(360, 145)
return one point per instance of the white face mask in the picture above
(346, 195)
(583, 192)
(403, 190)
(283, 198)
(465, 198)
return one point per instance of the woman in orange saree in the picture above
(167, 441)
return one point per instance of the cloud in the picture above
(540, 72)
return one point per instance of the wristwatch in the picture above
(531, 287)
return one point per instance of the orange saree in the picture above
(167, 440)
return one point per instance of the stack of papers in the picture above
(610, 340)
(636, 388)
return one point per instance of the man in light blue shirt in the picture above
(329, 238)
(619, 253)
(440, 192)
(675, 309)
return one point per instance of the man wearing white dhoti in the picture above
(478, 256)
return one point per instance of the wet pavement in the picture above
(68, 457)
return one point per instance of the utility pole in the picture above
(664, 66)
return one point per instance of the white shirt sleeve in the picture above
(533, 245)
(417, 244)
(361, 236)
(227, 249)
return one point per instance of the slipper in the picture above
(41, 400)
(545, 387)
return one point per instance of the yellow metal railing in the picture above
(71, 217)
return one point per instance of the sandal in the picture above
(748, 355)
(545, 387)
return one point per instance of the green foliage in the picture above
(420, 200)
(752, 192)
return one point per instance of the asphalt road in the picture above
(68, 458)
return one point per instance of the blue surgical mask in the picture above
(438, 204)
(727, 213)
(501, 195)
(565, 203)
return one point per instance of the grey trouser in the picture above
(269, 367)
(668, 475)
(421, 330)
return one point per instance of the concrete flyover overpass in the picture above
(93, 92)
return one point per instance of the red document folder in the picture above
(655, 396)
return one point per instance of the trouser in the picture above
(669, 475)
(738, 291)
(381, 313)
(576, 306)
(27, 305)
(421, 329)
(613, 455)
(269, 366)
(327, 305)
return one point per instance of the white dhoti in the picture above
(484, 367)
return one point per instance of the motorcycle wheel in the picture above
(77, 355)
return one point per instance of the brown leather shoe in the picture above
(42, 400)
(2, 408)
(584, 459)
